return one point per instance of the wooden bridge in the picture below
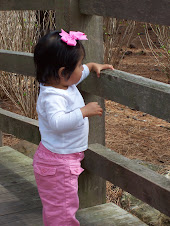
(19, 201)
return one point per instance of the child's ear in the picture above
(61, 72)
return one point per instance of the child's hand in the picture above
(91, 109)
(98, 67)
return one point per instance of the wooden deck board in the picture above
(27, 217)
(20, 204)
(107, 214)
(19, 199)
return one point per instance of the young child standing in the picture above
(63, 123)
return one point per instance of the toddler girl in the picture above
(63, 123)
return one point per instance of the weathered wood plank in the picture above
(155, 194)
(9, 179)
(17, 62)
(20, 126)
(107, 214)
(119, 170)
(21, 198)
(27, 5)
(1, 143)
(14, 206)
(130, 177)
(27, 222)
(151, 11)
(23, 170)
(18, 191)
(137, 92)
(24, 217)
(70, 18)
(134, 178)
(15, 156)
(22, 206)
(19, 169)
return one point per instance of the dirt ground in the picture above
(134, 134)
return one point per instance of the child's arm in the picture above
(85, 73)
(55, 112)
(93, 67)
(98, 67)
(94, 108)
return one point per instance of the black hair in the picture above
(51, 53)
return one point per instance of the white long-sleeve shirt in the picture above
(62, 126)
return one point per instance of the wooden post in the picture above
(1, 143)
(92, 189)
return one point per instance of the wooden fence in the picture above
(134, 91)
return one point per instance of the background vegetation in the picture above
(20, 30)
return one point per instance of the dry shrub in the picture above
(117, 34)
(19, 31)
(162, 53)
(22, 91)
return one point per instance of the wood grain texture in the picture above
(17, 62)
(92, 188)
(20, 204)
(151, 11)
(107, 214)
(27, 5)
(1, 142)
(138, 180)
(19, 200)
(137, 92)
(20, 126)
(141, 182)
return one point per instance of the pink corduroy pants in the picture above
(57, 181)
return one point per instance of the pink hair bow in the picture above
(71, 38)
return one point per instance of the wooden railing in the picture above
(137, 92)
(131, 90)
(151, 11)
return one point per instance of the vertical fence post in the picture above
(1, 143)
(92, 189)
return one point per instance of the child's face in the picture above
(76, 75)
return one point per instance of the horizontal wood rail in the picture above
(151, 11)
(28, 5)
(17, 62)
(137, 92)
(134, 91)
(20, 126)
(134, 178)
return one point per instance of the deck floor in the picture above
(19, 199)
(20, 204)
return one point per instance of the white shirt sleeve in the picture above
(85, 73)
(57, 117)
